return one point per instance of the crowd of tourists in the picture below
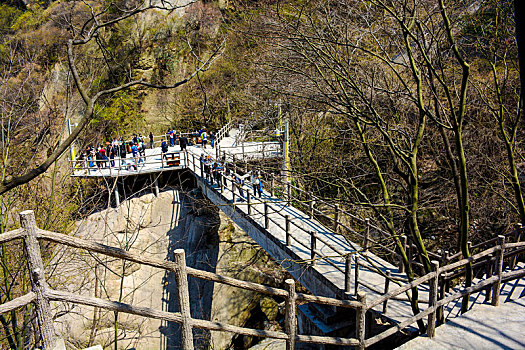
(132, 152)
(216, 172)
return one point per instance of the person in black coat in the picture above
(183, 142)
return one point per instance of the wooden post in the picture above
(287, 229)
(489, 271)
(183, 297)
(336, 218)
(366, 235)
(361, 320)
(248, 203)
(290, 318)
(356, 277)
(234, 164)
(440, 314)
(288, 192)
(499, 270)
(38, 279)
(432, 299)
(272, 185)
(266, 218)
(348, 272)
(313, 246)
(387, 286)
(447, 280)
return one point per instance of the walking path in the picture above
(485, 327)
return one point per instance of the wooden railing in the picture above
(42, 294)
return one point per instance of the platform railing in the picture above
(41, 294)
(118, 166)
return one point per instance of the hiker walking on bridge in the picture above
(238, 182)
(183, 142)
(212, 139)
(204, 138)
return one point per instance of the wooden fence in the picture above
(42, 294)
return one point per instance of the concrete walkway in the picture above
(485, 327)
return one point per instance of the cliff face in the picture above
(156, 226)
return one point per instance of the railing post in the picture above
(291, 318)
(366, 236)
(361, 320)
(248, 203)
(489, 271)
(38, 279)
(266, 218)
(499, 270)
(272, 185)
(336, 218)
(234, 164)
(348, 272)
(356, 276)
(445, 277)
(288, 192)
(440, 315)
(387, 286)
(313, 246)
(287, 230)
(183, 297)
(432, 299)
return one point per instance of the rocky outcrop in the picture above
(156, 226)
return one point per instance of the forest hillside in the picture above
(407, 113)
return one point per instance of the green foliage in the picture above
(28, 20)
(8, 16)
(121, 115)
